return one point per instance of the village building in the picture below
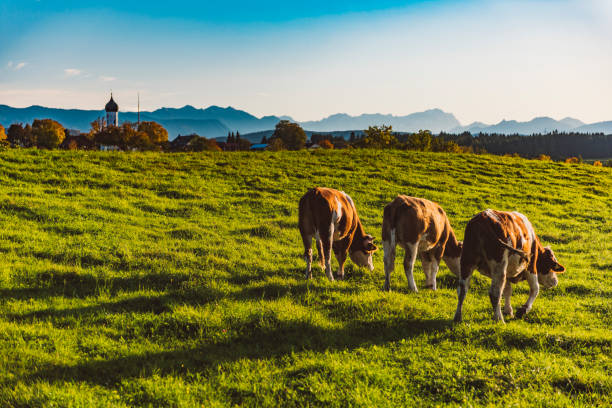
(112, 112)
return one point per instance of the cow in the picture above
(422, 228)
(331, 218)
(504, 246)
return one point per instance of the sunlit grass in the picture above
(155, 279)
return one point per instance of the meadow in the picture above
(176, 280)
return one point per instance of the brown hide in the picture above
(416, 218)
(490, 233)
(322, 210)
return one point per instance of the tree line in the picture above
(49, 134)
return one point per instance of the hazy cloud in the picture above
(71, 72)
(107, 78)
(15, 66)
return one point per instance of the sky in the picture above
(480, 60)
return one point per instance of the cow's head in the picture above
(362, 250)
(548, 268)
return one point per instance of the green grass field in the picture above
(177, 280)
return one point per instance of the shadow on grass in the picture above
(258, 343)
(53, 283)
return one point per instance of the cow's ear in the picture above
(368, 237)
(558, 268)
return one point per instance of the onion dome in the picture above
(111, 106)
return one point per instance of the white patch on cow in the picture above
(498, 281)
(454, 264)
(530, 230)
(548, 281)
(389, 258)
(349, 199)
(534, 289)
(410, 258)
(516, 265)
(492, 214)
(507, 299)
(338, 212)
(362, 258)
(423, 244)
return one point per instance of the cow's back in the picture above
(320, 207)
(414, 218)
(486, 232)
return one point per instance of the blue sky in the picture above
(481, 60)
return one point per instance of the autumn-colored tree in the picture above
(48, 133)
(96, 127)
(201, 144)
(157, 133)
(291, 134)
(2, 133)
(543, 157)
(572, 160)
(326, 144)
(597, 163)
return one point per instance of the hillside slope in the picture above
(153, 279)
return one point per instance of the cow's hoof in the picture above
(458, 318)
(340, 277)
(387, 287)
(521, 312)
(430, 286)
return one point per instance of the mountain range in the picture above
(216, 121)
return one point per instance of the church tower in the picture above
(112, 112)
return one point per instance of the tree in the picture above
(96, 127)
(326, 144)
(420, 141)
(48, 133)
(109, 136)
(157, 133)
(17, 135)
(264, 140)
(2, 133)
(378, 138)
(276, 144)
(292, 135)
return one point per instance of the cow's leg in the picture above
(320, 251)
(389, 259)
(409, 259)
(341, 257)
(426, 264)
(307, 239)
(462, 288)
(534, 289)
(433, 272)
(507, 295)
(434, 257)
(327, 239)
(498, 281)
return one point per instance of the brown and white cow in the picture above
(422, 228)
(504, 246)
(331, 218)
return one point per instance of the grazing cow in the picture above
(504, 246)
(422, 228)
(331, 218)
